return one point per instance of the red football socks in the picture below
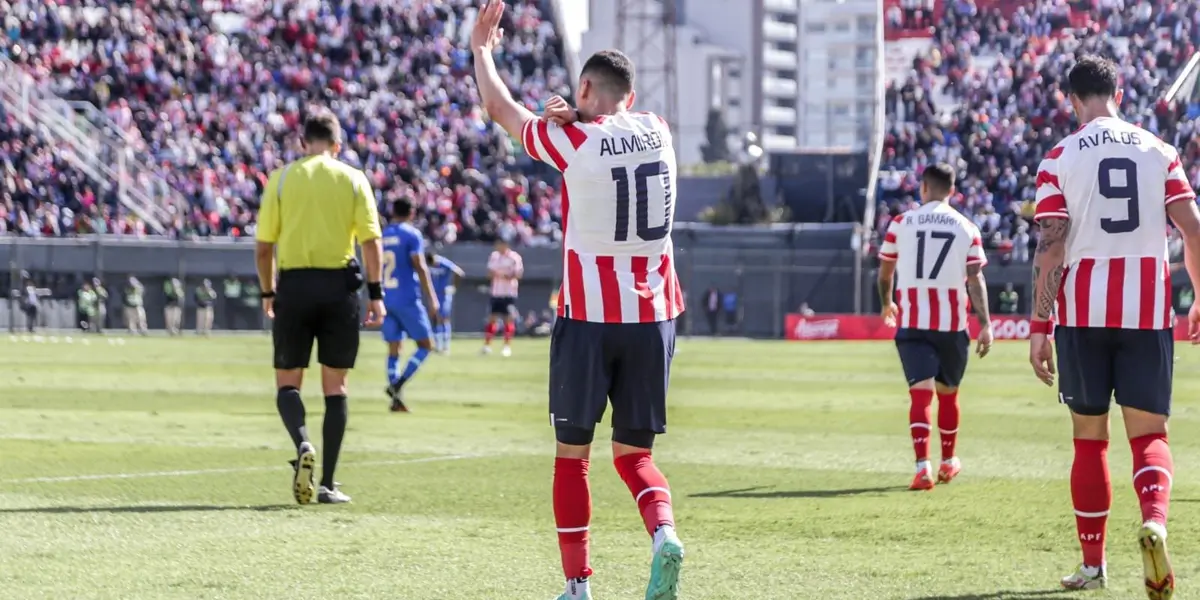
(489, 332)
(572, 515)
(918, 421)
(509, 330)
(649, 488)
(1152, 470)
(1091, 493)
(948, 422)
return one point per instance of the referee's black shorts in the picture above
(315, 304)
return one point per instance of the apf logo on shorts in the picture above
(816, 330)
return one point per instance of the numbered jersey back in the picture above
(932, 247)
(1113, 181)
(618, 210)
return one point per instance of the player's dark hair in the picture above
(611, 70)
(322, 126)
(940, 177)
(402, 209)
(1093, 77)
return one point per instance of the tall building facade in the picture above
(804, 75)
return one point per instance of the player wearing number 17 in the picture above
(1103, 197)
(933, 250)
(615, 335)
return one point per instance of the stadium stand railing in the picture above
(105, 160)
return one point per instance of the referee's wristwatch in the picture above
(267, 295)
(374, 290)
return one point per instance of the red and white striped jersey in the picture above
(617, 204)
(506, 269)
(932, 246)
(1113, 181)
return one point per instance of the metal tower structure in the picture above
(646, 33)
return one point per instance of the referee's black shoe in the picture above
(395, 391)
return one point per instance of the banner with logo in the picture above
(871, 327)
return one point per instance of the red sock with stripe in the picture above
(918, 421)
(573, 515)
(489, 332)
(1152, 473)
(649, 488)
(510, 329)
(1091, 493)
(947, 419)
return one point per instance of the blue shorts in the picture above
(937, 355)
(411, 320)
(627, 364)
(1097, 363)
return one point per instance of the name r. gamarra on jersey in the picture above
(1129, 138)
(930, 219)
(635, 143)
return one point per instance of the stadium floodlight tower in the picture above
(645, 31)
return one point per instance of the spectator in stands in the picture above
(206, 100)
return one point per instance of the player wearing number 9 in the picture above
(1104, 195)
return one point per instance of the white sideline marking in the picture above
(189, 473)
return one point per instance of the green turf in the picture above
(788, 464)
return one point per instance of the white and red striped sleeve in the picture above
(1178, 187)
(518, 265)
(975, 253)
(546, 142)
(889, 250)
(1050, 199)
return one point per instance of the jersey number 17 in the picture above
(947, 239)
(641, 176)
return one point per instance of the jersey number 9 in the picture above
(1127, 190)
(641, 176)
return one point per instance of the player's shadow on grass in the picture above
(754, 493)
(1033, 595)
(150, 508)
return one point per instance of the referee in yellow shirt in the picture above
(312, 211)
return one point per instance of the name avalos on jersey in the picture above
(645, 142)
(1129, 138)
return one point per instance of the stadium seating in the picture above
(212, 92)
(1000, 68)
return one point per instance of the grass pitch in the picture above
(155, 469)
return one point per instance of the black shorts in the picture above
(1097, 363)
(628, 364)
(938, 355)
(315, 304)
(503, 305)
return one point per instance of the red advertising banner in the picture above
(871, 327)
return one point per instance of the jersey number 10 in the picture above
(641, 175)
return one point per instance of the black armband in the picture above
(266, 295)
(374, 290)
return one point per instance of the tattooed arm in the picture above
(977, 292)
(1048, 266)
(886, 269)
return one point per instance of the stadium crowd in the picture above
(1010, 115)
(210, 94)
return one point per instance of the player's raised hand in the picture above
(889, 313)
(486, 34)
(375, 313)
(1041, 357)
(559, 112)
(983, 344)
(1194, 324)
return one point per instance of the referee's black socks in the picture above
(334, 429)
(291, 410)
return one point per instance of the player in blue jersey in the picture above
(405, 279)
(446, 276)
